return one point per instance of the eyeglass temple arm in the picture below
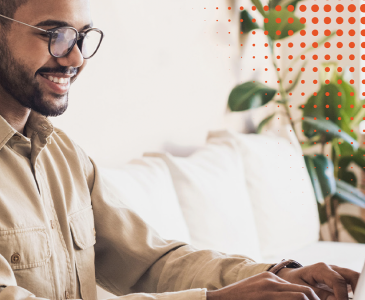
(23, 23)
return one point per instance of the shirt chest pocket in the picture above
(27, 251)
(84, 236)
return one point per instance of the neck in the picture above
(13, 112)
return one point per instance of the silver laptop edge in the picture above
(360, 288)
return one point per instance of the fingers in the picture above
(350, 276)
(290, 296)
(322, 273)
(323, 291)
(301, 289)
(280, 289)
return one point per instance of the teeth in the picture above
(60, 80)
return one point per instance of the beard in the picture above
(18, 82)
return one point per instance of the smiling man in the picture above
(61, 228)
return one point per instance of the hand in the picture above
(264, 286)
(329, 282)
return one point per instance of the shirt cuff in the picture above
(249, 270)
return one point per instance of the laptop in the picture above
(360, 288)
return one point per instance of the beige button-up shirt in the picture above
(62, 231)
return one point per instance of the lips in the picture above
(58, 83)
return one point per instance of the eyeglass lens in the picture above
(63, 39)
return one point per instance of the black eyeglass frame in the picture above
(79, 36)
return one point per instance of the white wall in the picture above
(161, 78)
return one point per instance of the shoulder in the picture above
(71, 148)
(64, 141)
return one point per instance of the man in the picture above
(61, 228)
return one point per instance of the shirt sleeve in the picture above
(130, 256)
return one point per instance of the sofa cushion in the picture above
(280, 189)
(145, 185)
(210, 185)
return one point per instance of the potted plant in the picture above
(328, 118)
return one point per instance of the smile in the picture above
(57, 83)
(59, 80)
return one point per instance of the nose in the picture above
(73, 59)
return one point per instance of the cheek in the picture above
(30, 51)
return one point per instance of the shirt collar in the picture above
(39, 123)
(6, 132)
(36, 122)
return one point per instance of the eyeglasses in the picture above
(63, 39)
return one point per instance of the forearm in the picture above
(187, 268)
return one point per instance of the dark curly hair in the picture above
(8, 9)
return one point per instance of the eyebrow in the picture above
(58, 23)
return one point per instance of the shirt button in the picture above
(52, 224)
(94, 232)
(67, 295)
(15, 258)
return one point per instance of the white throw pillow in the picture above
(280, 189)
(211, 189)
(145, 186)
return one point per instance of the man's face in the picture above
(26, 66)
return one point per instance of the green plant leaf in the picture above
(344, 123)
(291, 2)
(272, 26)
(347, 193)
(358, 110)
(322, 213)
(281, 101)
(359, 113)
(306, 145)
(333, 100)
(283, 3)
(354, 226)
(329, 129)
(324, 75)
(310, 111)
(297, 78)
(359, 158)
(347, 100)
(310, 143)
(259, 7)
(325, 172)
(343, 164)
(348, 177)
(247, 25)
(264, 122)
(346, 151)
(314, 179)
(250, 95)
(273, 3)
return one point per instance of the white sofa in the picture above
(240, 193)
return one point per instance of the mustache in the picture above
(61, 69)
